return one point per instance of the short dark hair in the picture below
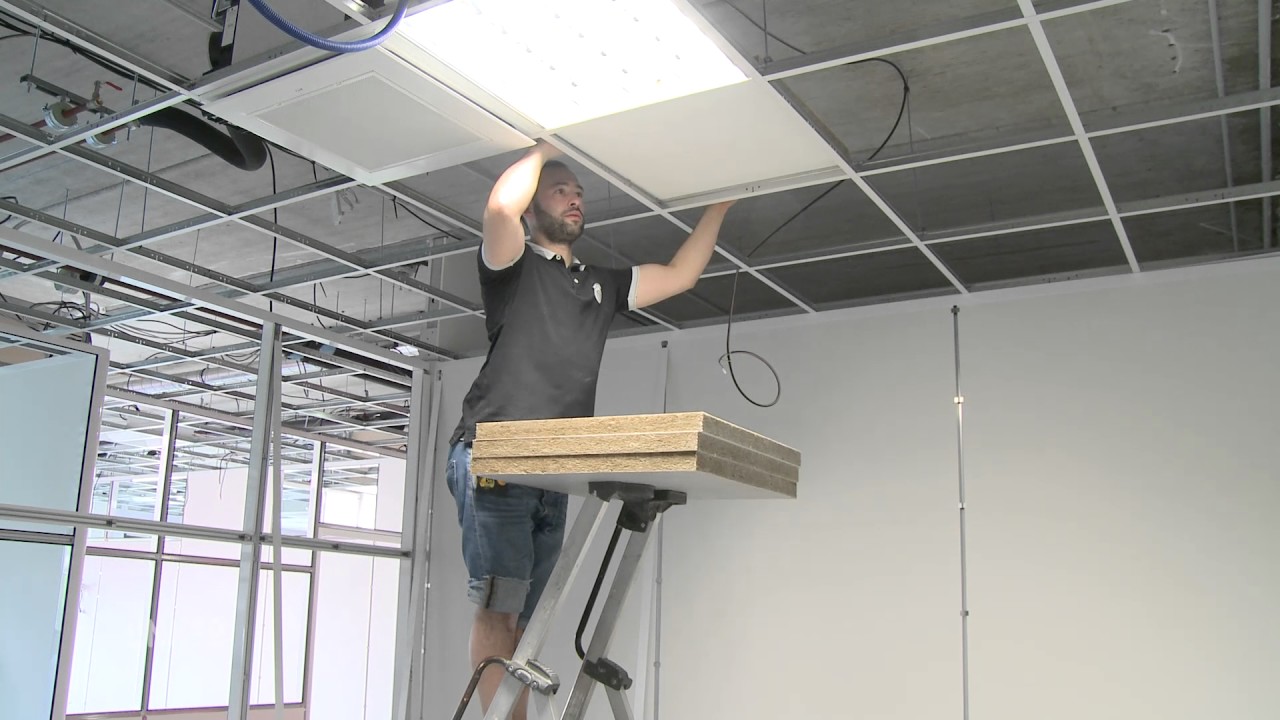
(554, 165)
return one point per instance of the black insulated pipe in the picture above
(239, 148)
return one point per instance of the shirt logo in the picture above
(599, 296)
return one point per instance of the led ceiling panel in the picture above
(568, 61)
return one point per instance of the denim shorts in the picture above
(511, 536)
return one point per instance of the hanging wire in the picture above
(726, 360)
(904, 108)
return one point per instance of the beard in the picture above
(556, 229)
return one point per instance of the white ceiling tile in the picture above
(725, 139)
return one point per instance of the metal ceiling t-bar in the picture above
(103, 124)
(218, 208)
(921, 38)
(203, 298)
(658, 209)
(1077, 127)
(50, 22)
(1264, 83)
(1205, 198)
(244, 288)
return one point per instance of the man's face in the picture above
(557, 206)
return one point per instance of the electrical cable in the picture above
(903, 107)
(906, 95)
(10, 198)
(729, 352)
(275, 219)
(795, 215)
(322, 43)
(595, 591)
(395, 206)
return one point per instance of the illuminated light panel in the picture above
(564, 62)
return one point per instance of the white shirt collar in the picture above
(552, 255)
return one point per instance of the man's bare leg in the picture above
(494, 633)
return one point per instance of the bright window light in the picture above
(567, 61)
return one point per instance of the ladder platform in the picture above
(692, 452)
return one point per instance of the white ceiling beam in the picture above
(817, 127)
(1220, 79)
(1186, 201)
(1237, 193)
(1077, 127)
(921, 38)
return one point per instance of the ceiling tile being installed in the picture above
(726, 139)
(575, 60)
(832, 217)
(601, 198)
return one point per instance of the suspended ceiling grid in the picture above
(1040, 142)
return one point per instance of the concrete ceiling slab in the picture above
(1197, 233)
(712, 296)
(1035, 254)
(994, 81)
(990, 189)
(1181, 158)
(1144, 51)
(862, 278)
(807, 26)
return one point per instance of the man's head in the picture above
(556, 214)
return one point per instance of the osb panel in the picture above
(633, 425)
(631, 444)
(602, 425)
(702, 477)
(613, 444)
(585, 464)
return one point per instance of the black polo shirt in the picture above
(547, 327)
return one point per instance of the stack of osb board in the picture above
(693, 452)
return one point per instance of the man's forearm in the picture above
(514, 190)
(692, 257)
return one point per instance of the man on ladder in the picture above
(547, 317)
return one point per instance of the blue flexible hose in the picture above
(316, 41)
